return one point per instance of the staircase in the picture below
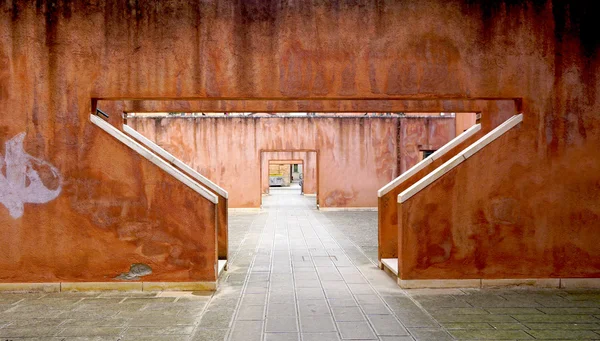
(392, 233)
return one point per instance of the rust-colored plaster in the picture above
(389, 231)
(55, 56)
(498, 239)
(114, 212)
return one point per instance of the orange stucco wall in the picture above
(56, 56)
(356, 156)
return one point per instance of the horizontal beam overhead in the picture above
(324, 105)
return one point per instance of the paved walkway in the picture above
(300, 274)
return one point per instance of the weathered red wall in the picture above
(499, 239)
(465, 121)
(418, 134)
(115, 209)
(56, 56)
(357, 156)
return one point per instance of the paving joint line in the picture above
(415, 302)
(233, 321)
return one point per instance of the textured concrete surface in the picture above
(299, 274)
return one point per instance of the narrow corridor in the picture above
(300, 278)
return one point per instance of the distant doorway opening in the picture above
(285, 176)
(290, 171)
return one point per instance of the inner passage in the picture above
(341, 159)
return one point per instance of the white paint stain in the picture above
(20, 181)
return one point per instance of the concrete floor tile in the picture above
(251, 312)
(282, 324)
(368, 299)
(254, 299)
(387, 325)
(544, 318)
(310, 293)
(491, 334)
(203, 334)
(309, 283)
(342, 302)
(282, 336)
(361, 289)
(282, 298)
(565, 334)
(356, 331)
(313, 307)
(144, 331)
(317, 324)
(512, 311)
(247, 331)
(140, 338)
(217, 318)
(25, 332)
(320, 336)
(425, 334)
(564, 326)
(472, 325)
(281, 309)
(91, 331)
(347, 314)
(375, 309)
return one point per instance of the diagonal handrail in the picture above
(423, 163)
(460, 157)
(175, 161)
(149, 155)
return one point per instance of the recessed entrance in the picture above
(280, 170)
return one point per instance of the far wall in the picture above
(357, 155)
